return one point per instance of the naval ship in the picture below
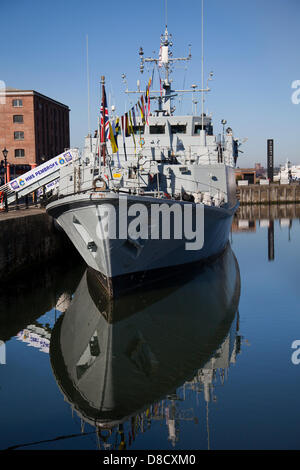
(164, 199)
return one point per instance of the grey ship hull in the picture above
(118, 259)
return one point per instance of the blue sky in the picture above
(252, 47)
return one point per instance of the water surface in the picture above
(201, 362)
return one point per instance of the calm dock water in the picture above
(201, 362)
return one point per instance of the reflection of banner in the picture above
(2, 352)
(34, 339)
(42, 170)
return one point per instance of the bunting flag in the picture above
(115, 129)
(123, 134)
(127, 132)
(123, 129)
(149, 85)
(142, 112)
(148, 109)
(143, 103)
(148, 89)
(114, 146)
(126, 124)
(131, 130)
(133, 116)
(147, 104)
(130, 125)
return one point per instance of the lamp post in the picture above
(5, 152)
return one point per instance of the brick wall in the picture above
(8, 127)
(45, 126)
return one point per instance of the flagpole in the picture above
(202, 59)
(103, 147)
(123, 135)
(88, 84)
(99, 144)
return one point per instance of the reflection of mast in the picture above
(208, 383)
(271, 255)
(171, 423)
(207, 427)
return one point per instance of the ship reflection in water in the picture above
(125, 365)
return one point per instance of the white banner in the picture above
(48, 187)
(41, 171)
(2, 352)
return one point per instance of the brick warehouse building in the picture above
(33, 128)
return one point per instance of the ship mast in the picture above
(202, 61)
(202, 131)
(165, 61)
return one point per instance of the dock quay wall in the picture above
(268, 194)
(268, 211)
(28, 238)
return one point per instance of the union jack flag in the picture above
(104, 117)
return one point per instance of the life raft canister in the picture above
(103, 187)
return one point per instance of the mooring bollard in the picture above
(35, 198)
(5, 203)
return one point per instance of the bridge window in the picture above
(19, 135)
(178, 129)
(18, 118)
(17, 103)
(208, 128)
(157, 129)
(19, 153)
(139, 130)
(198, 128)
